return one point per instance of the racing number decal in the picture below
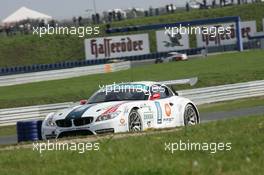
(159, 113)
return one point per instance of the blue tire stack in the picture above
(29, 131)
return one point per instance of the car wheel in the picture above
(134, 121)
(190, 115)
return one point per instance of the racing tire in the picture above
(134, 121)
(190, 115)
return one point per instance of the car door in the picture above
(165, 110)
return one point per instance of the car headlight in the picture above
(49, 121)
(108, 116)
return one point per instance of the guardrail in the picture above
(63, 73)
(12, 115)
(199, 96)
(225, 92)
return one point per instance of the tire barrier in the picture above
(29, 130)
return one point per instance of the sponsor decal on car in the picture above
(159, 112)
(168, 110)
(148, 116)
(122, 122)
(146, 106)
(149, 124)
(148, 119)
(168, 119)
(113, 108)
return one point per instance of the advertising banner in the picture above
(117, 46)
(228, 36)
(167, 42)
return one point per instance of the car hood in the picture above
(87, 110)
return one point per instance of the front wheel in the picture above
(190, 115)
(134, 121)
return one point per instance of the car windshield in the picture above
(124, 95)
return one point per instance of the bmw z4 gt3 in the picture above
(125, 107)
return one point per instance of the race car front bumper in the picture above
(102, 127)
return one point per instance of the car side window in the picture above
(162, 90)
(168, 92)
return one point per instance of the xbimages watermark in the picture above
(194, 146)
(60, 146)
(189, 30)
(80, 31)
(126, 88)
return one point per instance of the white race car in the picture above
(172, 56)
(125, 107)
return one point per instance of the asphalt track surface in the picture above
(205, 117)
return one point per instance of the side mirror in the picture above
(83, 102)
(155, 96)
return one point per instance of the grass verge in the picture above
(146, 154)
(7, 130)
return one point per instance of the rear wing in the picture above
(190, 81)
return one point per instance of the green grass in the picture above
(147, 155)
(7, 130)
(214, 70)
(27, 50)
